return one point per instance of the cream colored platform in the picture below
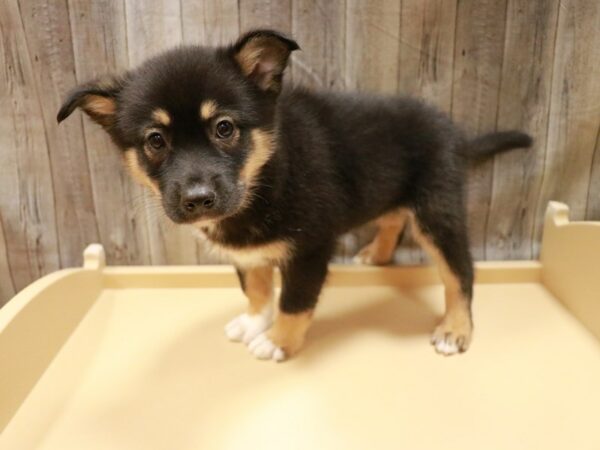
(135, 358)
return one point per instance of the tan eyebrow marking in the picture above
(208, 109)
(161, 116)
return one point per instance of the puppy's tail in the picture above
(486, 146)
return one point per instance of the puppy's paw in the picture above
(452, 336)
(370, 255)
(245, 327)
(263, 347)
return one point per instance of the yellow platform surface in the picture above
(136, 358)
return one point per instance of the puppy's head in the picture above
(194, 124)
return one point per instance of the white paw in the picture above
(445, 347)
(246, 327)
(262, 347)
(449, 341)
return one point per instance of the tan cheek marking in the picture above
(132, 164)
(161, 116)
(262, 149)
(289, 330)
(208, 108)
(99, 105)
(258, 283)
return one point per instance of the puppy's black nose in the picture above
(197, 198)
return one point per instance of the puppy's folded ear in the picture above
(97, 98)
(262, 56)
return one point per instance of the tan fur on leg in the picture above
(258, 288)
(454, 332)
(381, 250)
(289, 330)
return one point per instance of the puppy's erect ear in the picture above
(263, 55)
(97, 98)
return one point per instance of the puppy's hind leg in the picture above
(443, 235)
(380, 250)
(257, 284)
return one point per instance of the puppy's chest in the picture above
(270, 253)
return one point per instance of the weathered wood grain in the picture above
(320, 29)
(49, 37)
(210, 22)
(27, 208)
(98, 28)
(426, 54)
(574, 111)
(477, 67)
(276, 14)
(524, 102)
(372, 43)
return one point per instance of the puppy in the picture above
(273, 175)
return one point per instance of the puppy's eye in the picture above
(156, 141)
(224, 129)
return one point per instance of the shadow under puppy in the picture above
(273, 175)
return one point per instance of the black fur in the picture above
(341, 160)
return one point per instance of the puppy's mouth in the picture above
(201, 219)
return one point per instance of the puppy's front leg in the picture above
(257, 284)
(302, 279)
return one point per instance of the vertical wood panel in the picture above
(320, 29)
(276, 14)
(210, 22)
(98, 29)
(46, 25)
(426, 60)
(372, 45)
(524, 102)
(477, 67)
(26, 192)
(574, 111)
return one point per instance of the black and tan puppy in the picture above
(273, 175)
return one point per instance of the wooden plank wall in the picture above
(531, 64)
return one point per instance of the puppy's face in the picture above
(195, 124)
